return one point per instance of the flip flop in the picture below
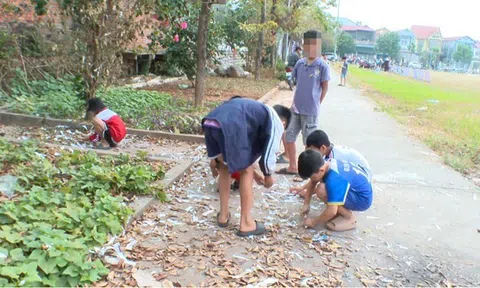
(224, 225)
(284, 171)
(259, 230)
(340, 224)
(282, 160)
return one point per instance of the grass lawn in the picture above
(445, 113)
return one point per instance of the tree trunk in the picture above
(261, 35)
(285, 47)
(201, 52)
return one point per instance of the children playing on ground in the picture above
(311, 75)
(237, 133)
(318, 141)
(107, 124)
(343, 77)
(343, 186)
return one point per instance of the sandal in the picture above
(284, 171)
(340, 224)
(259, 230)
(282, 160)
(225, 224)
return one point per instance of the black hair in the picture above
(95, 105)
(235, 97)
(344, 58)
(309, 162)
(317, 139)
(312, 34)
(284, 113)
(298, 48)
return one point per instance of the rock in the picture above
(221, 71)
(145, 279)
(236, 72)
(247, 74)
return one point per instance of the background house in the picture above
(407, 40)
(427, 38)
(450, 45)
(364, 37)
(475, 65)
(380, 32)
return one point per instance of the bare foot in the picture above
(342, 224)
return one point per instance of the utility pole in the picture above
(336, 28)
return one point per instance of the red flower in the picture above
(176, 38)
(184, 25)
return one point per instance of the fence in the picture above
(417, 74)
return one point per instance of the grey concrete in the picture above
(424, 212)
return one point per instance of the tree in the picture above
(389, 43)
(346, 44)
(463, 54)
(411, 47)
(102, 29)
(261, 36)
(202, 52)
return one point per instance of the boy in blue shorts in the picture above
(343, 186)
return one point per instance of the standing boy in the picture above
(311, 75)
(343, 77)
(318, 141)
(344, 187)
(237, 133)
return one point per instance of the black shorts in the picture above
(108, 137)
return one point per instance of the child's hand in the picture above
(268, 181)
(305, 210)
(310, 222)
(258, 177)
(296, 190)
(213, 168)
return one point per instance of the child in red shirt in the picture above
(107, 124)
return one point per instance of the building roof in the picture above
(346, 21)
(453, 39)
(357, 28)
(424, 32)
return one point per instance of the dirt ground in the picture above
(220, 88)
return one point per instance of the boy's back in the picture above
(351, 155)
(345, 181)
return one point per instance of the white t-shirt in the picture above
(350, 155)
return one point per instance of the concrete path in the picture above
(425, 216)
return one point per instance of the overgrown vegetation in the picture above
(59, 98)
(64, 207)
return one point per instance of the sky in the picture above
(455, 18)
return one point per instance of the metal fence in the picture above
(417, 74)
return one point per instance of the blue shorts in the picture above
(344, 75)
(215, 142)
(358, 201)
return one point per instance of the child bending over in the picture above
(107, 124)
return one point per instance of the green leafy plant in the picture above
(65, 206)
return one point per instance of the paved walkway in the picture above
(425, 215)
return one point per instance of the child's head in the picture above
(344, 58)
(284, 113)
(312, 43)
(318, 141)
(298, 50)
(95, 105)
(311, 165)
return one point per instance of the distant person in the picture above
(109, 127)
(318, 141)
(343, 76)
(341, 185)
(311, 75)
(293, 58)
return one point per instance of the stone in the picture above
(221, 71)
(236, 72)
(247, 75)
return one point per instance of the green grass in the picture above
(451, 127)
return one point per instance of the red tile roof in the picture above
(424, 32)
(357, 28)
